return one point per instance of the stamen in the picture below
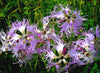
(55, 56)
(66, 18)
(24, 41)
(13, 45)
(74, 15)
(52, 31)
(29, 38)
(28, 32)
(68, 21)
(87, 54)
(19, 36)
(9, 37)
(62, 57)
(6, 49)
(60, 52)
(20, 58)
(73, 20)
(44, 32)
(23, 31)
(58, 63)
(66, 63)
(68, 55)
(69, 12)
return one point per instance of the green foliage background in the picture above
(34, 11)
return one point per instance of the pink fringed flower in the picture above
(68, 20)
(46, 32)
(85, 49)
(20, 40)
(6, 42)
(61, 58)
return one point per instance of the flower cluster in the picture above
(73, 46)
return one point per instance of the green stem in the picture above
(31, 67)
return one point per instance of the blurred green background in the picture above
(34, 11)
